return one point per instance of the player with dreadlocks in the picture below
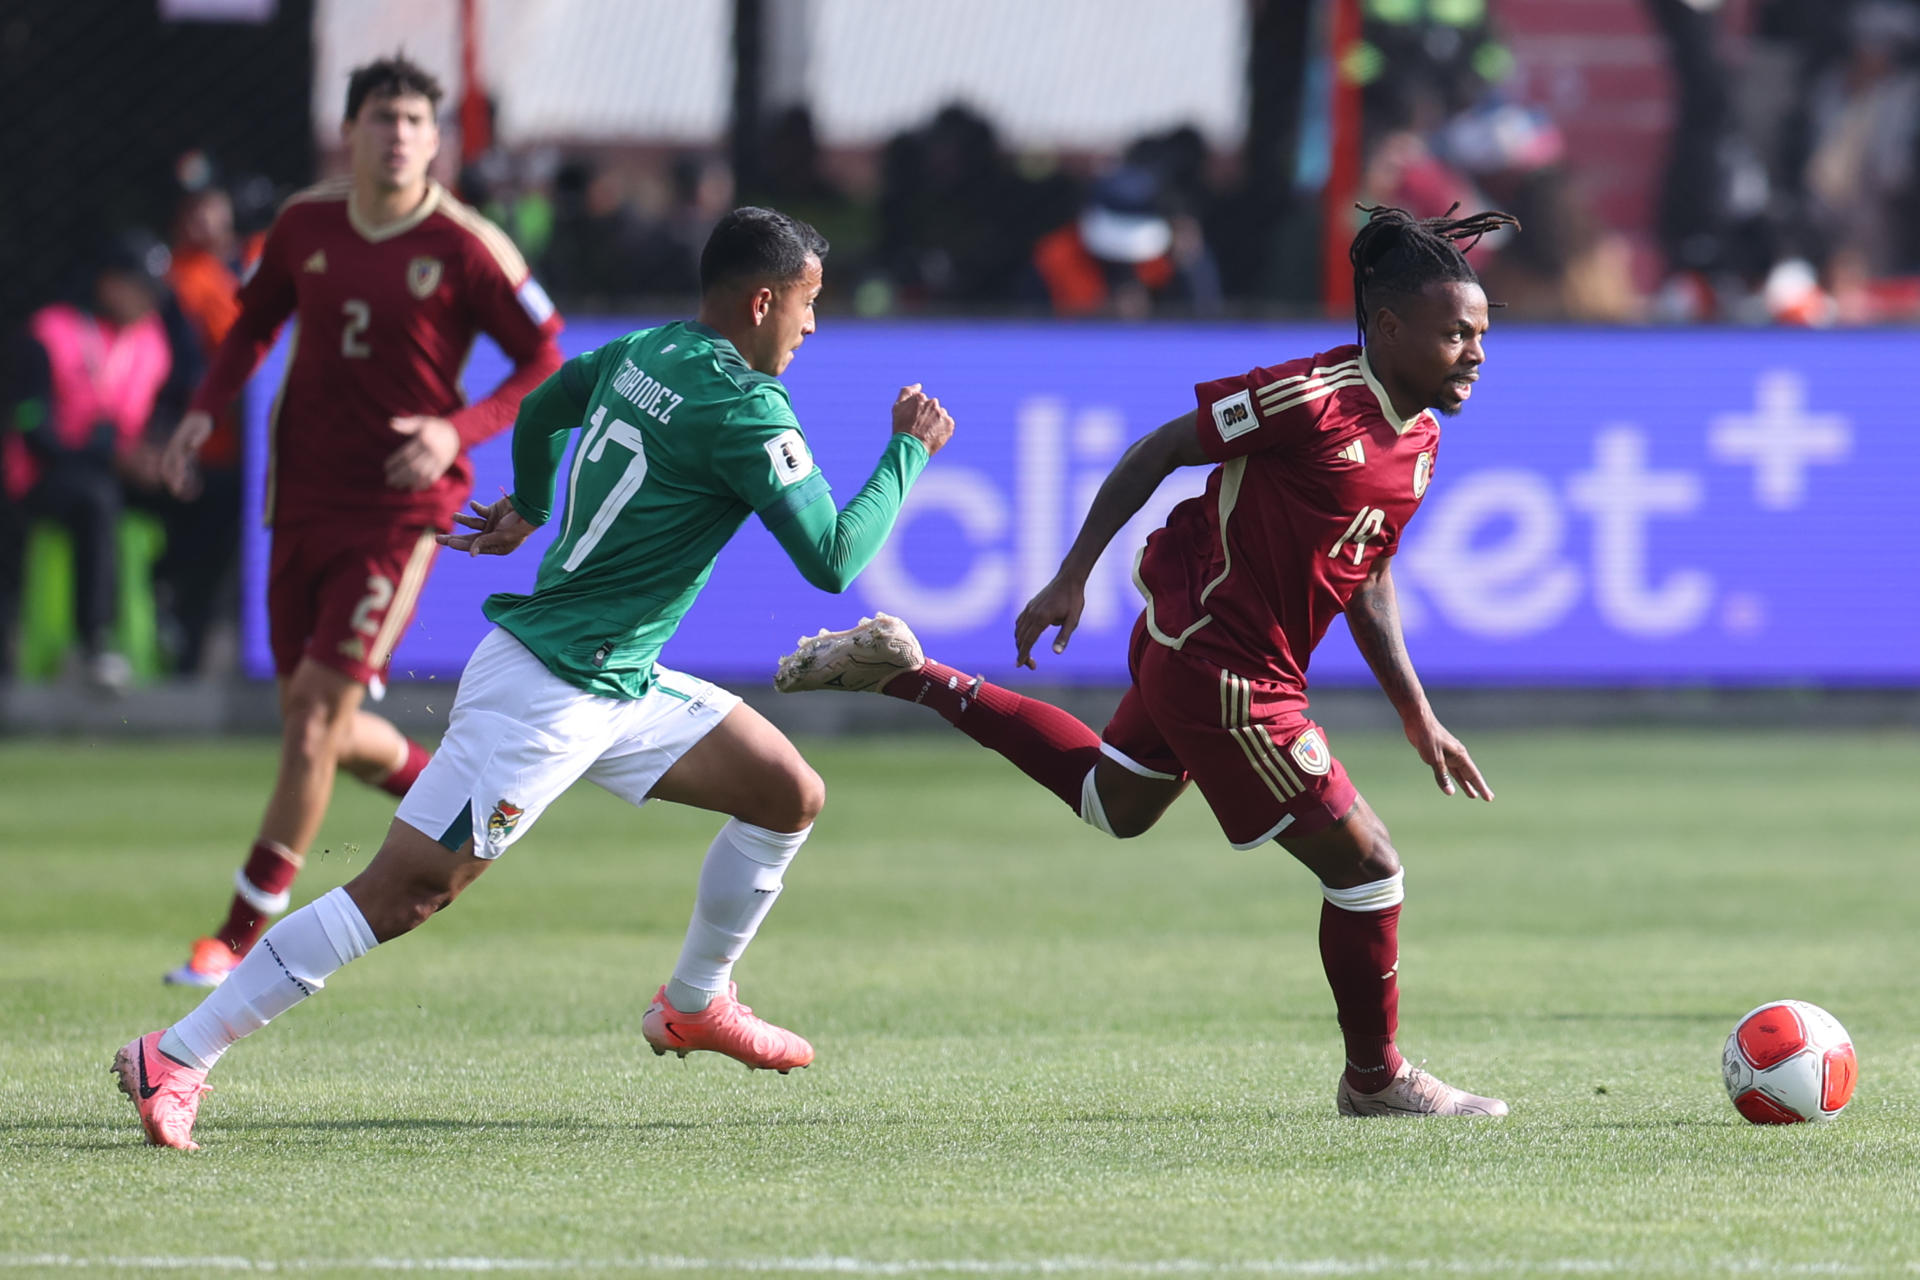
(1318, 465)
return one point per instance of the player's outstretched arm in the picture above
(831, 547)
(1373, 616)
(1148, 461)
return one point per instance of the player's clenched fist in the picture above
(917, 414)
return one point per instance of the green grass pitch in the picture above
(1040, 1052)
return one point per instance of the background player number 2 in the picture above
(359, 316)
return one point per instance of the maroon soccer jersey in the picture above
(1318, 478)
(385, 320)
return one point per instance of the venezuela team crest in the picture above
(1422, 473)
(1311, 754)
(423, 277)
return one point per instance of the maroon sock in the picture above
(400, 780)
(1041, 740)
(270, 870)
(1361, 953)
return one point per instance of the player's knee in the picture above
(1376, 858)
(807, 797)
(314, 725)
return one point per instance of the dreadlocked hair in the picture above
(1397, 254)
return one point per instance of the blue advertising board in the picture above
(1613, 507)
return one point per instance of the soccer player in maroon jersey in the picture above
(389, 279)
(1318, 465)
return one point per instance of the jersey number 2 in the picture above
(591, 450)
(359, 316)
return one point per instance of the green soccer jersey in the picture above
(683, 442)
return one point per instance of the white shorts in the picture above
(520, 735)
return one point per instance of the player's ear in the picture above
(1386, 325)
(761, 302)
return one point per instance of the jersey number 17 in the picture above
(592, 449)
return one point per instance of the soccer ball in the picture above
(1789, 1061)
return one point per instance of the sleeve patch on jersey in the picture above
(534, 301)
(1234, 416)
(791, 461)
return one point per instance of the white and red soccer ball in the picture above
(1789, 1061)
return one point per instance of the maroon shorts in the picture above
(343, 598)
(1264, 767)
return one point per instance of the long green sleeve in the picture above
(831, 547)
(548, 417)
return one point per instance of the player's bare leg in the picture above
(1056, 750)
(410, 879)
(1360, 877)
(375, 751)
(746, 769)
(323, 728)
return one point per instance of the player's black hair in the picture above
(754, 244)
(390, 77)
(1396, 255)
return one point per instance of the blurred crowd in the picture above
(944, 217)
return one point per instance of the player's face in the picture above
(1436, 344)
(393, 140)
(789, 317)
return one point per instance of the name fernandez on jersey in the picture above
(646, 393)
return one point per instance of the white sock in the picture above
(1376, 896)
(738, 884)
(1093, 811)
(286, 966)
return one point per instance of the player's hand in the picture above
(499, 529)
(183, 446)
(1058, 605)
(917, 414)
(1452, 767)
(425, 458)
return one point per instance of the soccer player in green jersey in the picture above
(688, 431)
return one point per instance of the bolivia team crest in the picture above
(1422, 474)
(503, 819)
(1310, 750)
(423, 277)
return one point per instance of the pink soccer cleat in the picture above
(207, 965)
(165, 1093)
(725, 1026)
(1412, 1092)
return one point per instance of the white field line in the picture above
(845, 1266)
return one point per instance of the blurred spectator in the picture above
(957, 221)
(89, 378)
(596, 255)
(1865, 121)
(795, 181)
(1124, 255)
(699, 191)
(208, 262)
(1422, 61)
